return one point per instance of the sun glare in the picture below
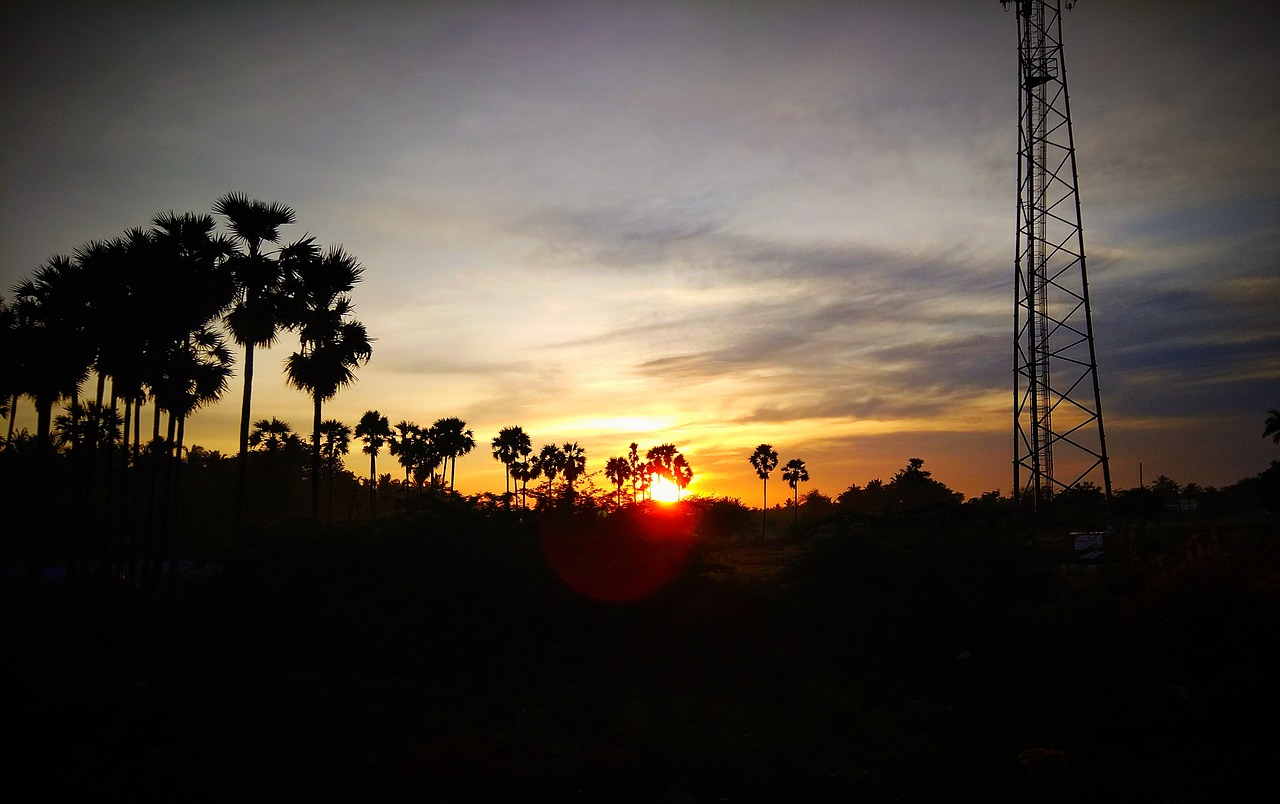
(664, 490)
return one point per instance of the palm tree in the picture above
(336, 442)
(374, 429)
(92, 425)
(660, 460)
(549, 463)
(639, 472)
(187, 287)
(522, 471)
(273, 435)
(1273, 425)
(425, 457)
(53, 357)
(681, 473)
(510, 445)
(575, 463)
(256, 318)
(402, 445)
(764, 460)
(618, 470)
(453, 439)
(331, 344)
(795, 473)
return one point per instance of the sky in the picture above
(713, 224)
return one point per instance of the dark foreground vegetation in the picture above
(436, 655)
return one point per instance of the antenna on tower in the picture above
(1058, 441)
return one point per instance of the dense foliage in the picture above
(442, 652)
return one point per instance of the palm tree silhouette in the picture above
(681, 473)
(403, 437)
(1273, 425)
(548, 463)
(256, 318)
(453, 439)
(335, 443)
(618, 470)
(522, 471)
(273, 435)
(189, 364)
(574, 465)
(764, 460)
(331, 344)
(91, 425)
(795, 473)
(510, 445)
(53, 356)
(375, 430)
(639, 472)
(660, 459)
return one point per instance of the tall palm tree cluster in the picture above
(149, 314)
(427, 454)
(764, 459)
(664, 460)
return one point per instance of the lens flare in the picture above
(628, 556)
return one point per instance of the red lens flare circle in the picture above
(625, 557)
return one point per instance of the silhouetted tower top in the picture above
(1058, 440)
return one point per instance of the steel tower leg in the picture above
(1058, 437)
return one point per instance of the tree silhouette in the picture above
(511, 444)
(257, 315)
(681, 473)
(764, 460)
(639, 472)
(522, 471)
(92, 425)
(335, 443)
(1273, 425)
(273, 436)
(331, 344)
(403, 446)
(574, 465)
(659, 460)
(52, 353)
(375, 430)
(452, 439)
(913, 487)
(795, 473)
(188, 364)
(549, 462)
(618, 470)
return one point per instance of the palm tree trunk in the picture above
(109, 461)
(373, 484)
(330, 461)
(764, 509)
(176, 517)
(243, 468)
(44, 421)
(13, 414)
(315, 461)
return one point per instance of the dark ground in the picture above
(437, 658)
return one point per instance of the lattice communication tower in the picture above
(1058, 440)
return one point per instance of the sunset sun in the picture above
(663, 490)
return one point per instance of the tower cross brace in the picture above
(1058, 438)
